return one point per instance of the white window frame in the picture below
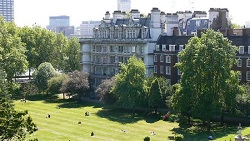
(157, 47)
(241, 49)
(248, 75)
(239, 62)
(181, 47)
(161, 58)
(163, 47)
(248, 62)
(168, 70)
(248, 50)
(155, 68)
(239, 75)
(155, 58)
(171, 47)
(168, 59)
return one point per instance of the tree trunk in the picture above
(63, 95)
(208, 125)
(29, 73)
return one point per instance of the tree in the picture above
(44, 72)
(130, 83)
(55, 83)
(72, 60)
(76, 83)
(12, 52)
(13, 124)
(61, 46)
(27, 35)
(206, 76)
(104, 90)
(155, 99)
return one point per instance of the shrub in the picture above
(179, 137)
(147, 139)
(55, 83)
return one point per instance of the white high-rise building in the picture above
(86, 28)
(7, 10)
(124, 5)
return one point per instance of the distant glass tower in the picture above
(7, 10)
(58, 21)
(124, 5)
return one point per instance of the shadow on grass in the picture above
(199, 133)
(126, 116)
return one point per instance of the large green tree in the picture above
(12, 51)
(14, 125)
(44, 72)
(206, 76)
(130, 83)
(155, 99)
(73, 58)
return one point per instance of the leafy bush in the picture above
(55, 83)
(147, 139)
(179, 137)
(44, 72)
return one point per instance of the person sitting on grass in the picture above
(92, 134)
(86, 113)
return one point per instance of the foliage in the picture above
(13, 124)
(72, 60)
(205, 86)
(29, 88)
(147, 138)
(59, 54)
(179, 137)
(130, 83)
(55, 83)
(12, 52)
(243, 100)
(104, 90)
(42, 75)
(155, 99)
(76, 83)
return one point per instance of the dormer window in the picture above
(171, 47)
(163, 47)
(157, 48)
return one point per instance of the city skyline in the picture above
(29, 12)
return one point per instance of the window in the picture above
(112, 49)
(179, 72)
(168, 70)
(248, 76)
(239, 75)
(248, 62)
(161, 58)
(168, 59)
(93, 48)
(133, 48)
(142, 49)
(157, 48)
(104, 49)
(248, 49)
(163, 47)
(239, 63)
(241, 50)
(181, 47)
(161, 69)
(120, 49)
(155, 58)
(171, 47)
(155, 69)
(112, 59)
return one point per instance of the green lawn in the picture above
(107, 124)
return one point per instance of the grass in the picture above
(106, 123)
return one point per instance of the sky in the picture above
(29, 12)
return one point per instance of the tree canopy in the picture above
(207, 77)
(130, 82)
